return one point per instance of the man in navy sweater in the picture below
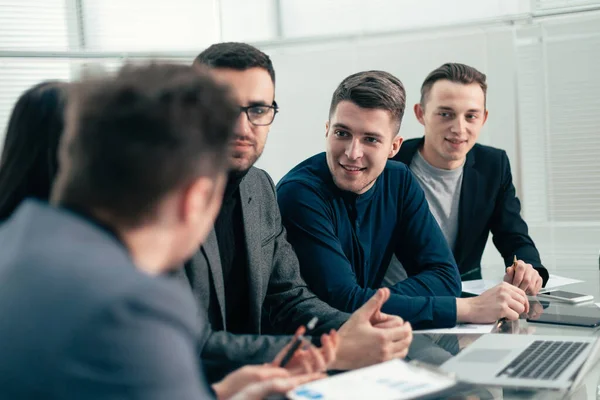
(347, 211)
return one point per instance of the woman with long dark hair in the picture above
(29, 160)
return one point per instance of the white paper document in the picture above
(557, 281)
(478, 286)
(395, 379)
(475, 329)
(481, 285)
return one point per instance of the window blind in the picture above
(29, 25)
(559, 131)
(33, 24)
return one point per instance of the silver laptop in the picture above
(526, 361)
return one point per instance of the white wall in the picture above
(308, 75)
(301, 18)
(248, 21)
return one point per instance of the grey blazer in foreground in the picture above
(79, 321)
(277, 293)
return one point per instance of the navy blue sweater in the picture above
(345, 242)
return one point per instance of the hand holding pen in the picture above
(297, 363)
(523, 276)
(301, 357)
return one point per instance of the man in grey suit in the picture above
(246, 274)
(84, 311)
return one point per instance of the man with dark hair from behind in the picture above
(348, 210)
(85, 311)
(469, 186)
(246, 273)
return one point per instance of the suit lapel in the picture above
(251, 217)
(408, 150)
(210, 248)
(466, 208)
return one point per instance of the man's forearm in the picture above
(423, 312)
(442, 282)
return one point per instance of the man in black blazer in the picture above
(246, 274)
(469, 186)
(85, 312)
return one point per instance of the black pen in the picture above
(297, 342)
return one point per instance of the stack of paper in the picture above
(481, 285)
(395, 379)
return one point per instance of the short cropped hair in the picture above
(453, 72)
(131, 140)
(235, 55)
(372, 89)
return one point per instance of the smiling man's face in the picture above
(359, 143)
(453, 115)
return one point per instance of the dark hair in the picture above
(453, 72)
(234, 55)
(131, 140)
(29, 159)
(372, 89)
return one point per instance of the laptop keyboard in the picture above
(543, 359)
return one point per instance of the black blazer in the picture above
(488, 203)
(79, 321)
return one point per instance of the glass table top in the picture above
(435, 349)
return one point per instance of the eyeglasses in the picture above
(261, 115)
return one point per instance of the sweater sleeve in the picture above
(311, 230)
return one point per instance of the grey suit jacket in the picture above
(277, 293)
(79, 321)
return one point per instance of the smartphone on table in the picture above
(567, 297)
